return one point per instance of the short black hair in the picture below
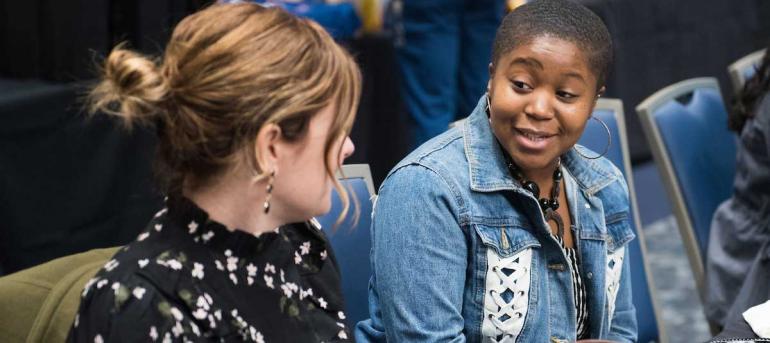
(561, 19)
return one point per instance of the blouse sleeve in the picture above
(137, 311)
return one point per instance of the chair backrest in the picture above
(351, 239)
(39, 304)
(744, 68)
(686, 126)
(648, 314)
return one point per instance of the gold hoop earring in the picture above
(269, 190)
(606, 149)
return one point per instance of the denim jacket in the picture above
(462, 253)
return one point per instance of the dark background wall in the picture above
(69, 183)
(60, 40)
(660, 42)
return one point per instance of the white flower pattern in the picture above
(201, 313)
(197, 271)
(139, 292)
(111, 265)
(305, 248)
(153, 333)
(232, 263)
(142, 236)
(207, 236)
(322, 303)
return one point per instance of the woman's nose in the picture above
(539, 106)
(347, 148)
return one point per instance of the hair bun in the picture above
(131, 87)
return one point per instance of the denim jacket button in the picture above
(590, 275)
(588, 206)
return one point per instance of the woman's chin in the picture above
(323, 208)
(528, 162)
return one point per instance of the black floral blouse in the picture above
(189, 279)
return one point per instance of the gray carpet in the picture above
(682, 309)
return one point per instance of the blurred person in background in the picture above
(442, 51)
(343, 19)
(738, 259)
(252, 108)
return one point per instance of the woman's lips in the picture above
(532, 139)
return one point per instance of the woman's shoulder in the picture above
(121, 301)
(135, 270)
(443, 148)
(595, 175)
(439, 161)
(148, 294)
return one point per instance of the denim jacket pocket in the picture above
(508, 281)
(506, 240)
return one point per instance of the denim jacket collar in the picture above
(488, 170)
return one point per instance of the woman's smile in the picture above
(530, 139)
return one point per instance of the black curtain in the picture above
(60, 40)
(660, 42)
(69, 182)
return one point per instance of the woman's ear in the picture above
(600, 93)
(268, 147)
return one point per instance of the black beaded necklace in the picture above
(548, 206)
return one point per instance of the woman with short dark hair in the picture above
(503, 229)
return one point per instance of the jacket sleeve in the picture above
(419, 258)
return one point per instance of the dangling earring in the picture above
(489, 109)
(269, 191)
(606, 149)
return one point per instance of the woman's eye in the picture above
(521, 85)
(566, 95)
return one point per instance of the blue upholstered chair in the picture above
(686, 126)
(744, 68)
(351, 239)
(610, 111)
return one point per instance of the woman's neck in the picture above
(236, 205)
(542, 177)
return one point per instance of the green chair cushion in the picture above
(39, 304)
